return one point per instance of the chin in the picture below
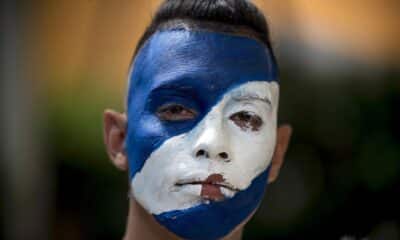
(215, 219)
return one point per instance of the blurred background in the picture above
(64, 62)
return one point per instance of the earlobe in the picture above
(121, 162)
(114, 138)
(283, 136)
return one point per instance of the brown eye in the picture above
(175, 112)
(247, 120)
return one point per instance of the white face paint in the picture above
(193, 156)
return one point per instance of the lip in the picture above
(213, 180)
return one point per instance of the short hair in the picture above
(229, 16)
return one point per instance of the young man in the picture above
(200, 135)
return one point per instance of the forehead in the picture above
(200, 61)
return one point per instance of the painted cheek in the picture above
(144, 135)
(154, 185)
(148, 133)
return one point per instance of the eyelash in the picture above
(247, 120)
(175, 112)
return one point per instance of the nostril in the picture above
(201, 153)
(223, 155)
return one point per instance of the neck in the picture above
(142, 225)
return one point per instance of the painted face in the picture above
(202, 112)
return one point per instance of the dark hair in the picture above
(234, 16)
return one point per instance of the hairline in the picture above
(189, 24)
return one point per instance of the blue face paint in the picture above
(193, 69)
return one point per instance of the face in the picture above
(202, 112)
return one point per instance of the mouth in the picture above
(213, 188)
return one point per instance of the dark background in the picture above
(64, 62)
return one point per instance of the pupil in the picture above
(176, 109)
(245, 116)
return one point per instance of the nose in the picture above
(212, 143)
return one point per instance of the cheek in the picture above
(166, 160)
(252, 153)
(146, 133)
(143, 137)
(154, 185)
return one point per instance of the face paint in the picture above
(202, 112)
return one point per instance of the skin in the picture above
(142, 225)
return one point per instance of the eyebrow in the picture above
(174, 88)
(251, 97)
(176, 83)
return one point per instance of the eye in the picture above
(247, 120)
(175, 112)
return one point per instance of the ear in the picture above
(284, 133)
(114, 138)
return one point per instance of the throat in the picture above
(142, 225)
